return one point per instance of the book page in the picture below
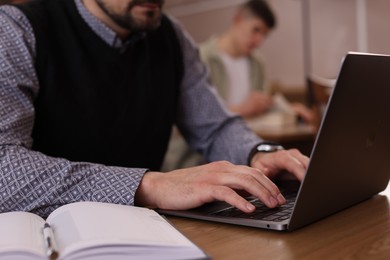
(21, 236)
(96, 225)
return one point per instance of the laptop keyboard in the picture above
(262, 212)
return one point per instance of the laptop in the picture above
(349, 162)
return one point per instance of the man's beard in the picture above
(127, 21)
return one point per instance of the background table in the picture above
(300, 136)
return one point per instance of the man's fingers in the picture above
(223, 193)
(290, 160)
(302, 158)
(254, 182)
(294, 164)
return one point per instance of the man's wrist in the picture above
(144, 194)
(264, 147)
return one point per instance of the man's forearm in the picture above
(31, 181)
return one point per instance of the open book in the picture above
(92, 230)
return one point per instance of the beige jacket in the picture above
(218, 76)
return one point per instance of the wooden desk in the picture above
(360, 232)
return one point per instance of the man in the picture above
(235, 68)
(89, 92)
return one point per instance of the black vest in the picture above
(95, 103)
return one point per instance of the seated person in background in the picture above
(90, 90)
(236, 70)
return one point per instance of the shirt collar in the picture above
(103, 31)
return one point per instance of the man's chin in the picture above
(147, 23)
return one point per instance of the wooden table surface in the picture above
(360, 232)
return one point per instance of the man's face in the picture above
(133, 15)
(250, 33)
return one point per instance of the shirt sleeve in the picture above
(30, 180)
(202, 118)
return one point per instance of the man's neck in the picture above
(227, 45)
(95, 10)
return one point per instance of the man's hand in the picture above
(223, 181)
(271, 164)
(193, 187)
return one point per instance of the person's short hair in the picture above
(262, 10)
